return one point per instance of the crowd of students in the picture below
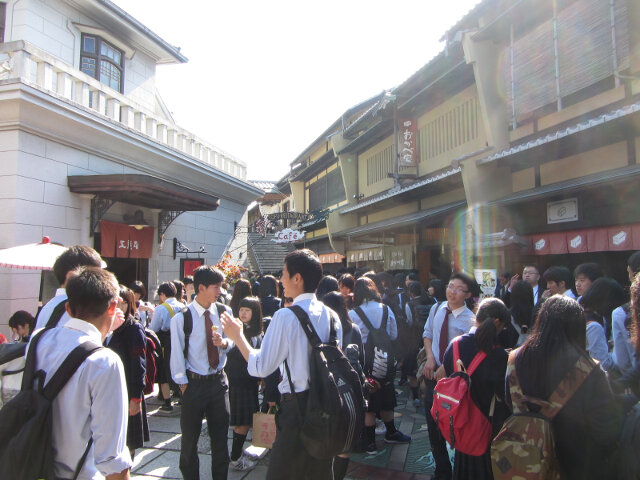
(217, 351)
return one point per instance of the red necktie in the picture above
(444, 334)
(212, 350)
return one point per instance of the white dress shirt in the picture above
(374, 311)
(93, 404)
(623, 350)
(597, 345)
(460, 322)
(570, 294)
(47, 310)
(285, 340)
(536, 294)
(198, 360)
(161, 320)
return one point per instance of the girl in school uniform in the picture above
(243, 388)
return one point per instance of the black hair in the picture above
(415, 289)
(439, 289)
(268, 286)
(364, 291)
(22, 318)
(590, 270)
(179, 289)
(327, 284)
(335, 301)
(255, 288)
(486, 335)
(91, 292)
(602, 297)
(188, 280)
(634, 262)
(255, 325)
(522, 303)
(371, 275)
(241, 289)
(306, 263)
(347, 280)
(412, 276)
(139, 288)
(168, 289)
(74, 257)
(557, 341)
(559, 274)
(127, 295)
(206, 275)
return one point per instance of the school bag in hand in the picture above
(525, 448)
(26, 450)
(334, 417)
(460, 421)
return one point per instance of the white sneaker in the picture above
(381, 429)
(250, 455)
(242, 464)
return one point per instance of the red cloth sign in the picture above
(577, 241)
(620, 238)
(541, 244)
(119, 240)
(597, 240)
(558, 243)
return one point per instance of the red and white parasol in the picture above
(33, 256)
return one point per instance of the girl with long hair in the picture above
(129, 342)
(521, 316)
(243, 388)
(487, 381)
(241, 289)
(587, 427)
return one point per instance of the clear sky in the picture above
(266, 78)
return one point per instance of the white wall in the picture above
(35, 201)
(49, 26)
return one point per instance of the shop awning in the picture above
(570, 186)
(423, 215)
(438, 177)
(616, 238)
(143, 190)
(581, 136)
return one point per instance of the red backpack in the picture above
(460, 421)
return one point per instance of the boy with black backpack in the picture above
(70, 419)
(288, 340)
(379, 331)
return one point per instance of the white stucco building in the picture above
(85, 138)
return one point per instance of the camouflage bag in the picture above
(524, 448)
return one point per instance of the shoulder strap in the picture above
(568, 387)
(385, 316)
(187, 327)
(56, 315)
(458, 365)
(364, 318)
(30, 362)
(169, 309)
(306, 325)
(77, 356)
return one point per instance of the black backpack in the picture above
(26, 450)
(334, 416)
(379, 351)
(187, 326)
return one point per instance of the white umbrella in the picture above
(33, 256)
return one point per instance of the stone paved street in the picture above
(406, 462)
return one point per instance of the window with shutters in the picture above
(327, 190)
(102, 61)
(580, 47)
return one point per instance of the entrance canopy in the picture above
(143, 190)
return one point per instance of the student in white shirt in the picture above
(285, 340)
(94, 403)
(446, 321)
(559, 282)
(63, 268)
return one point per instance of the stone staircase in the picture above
(264, 255)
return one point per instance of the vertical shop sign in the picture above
(408, 133)
(487, 279)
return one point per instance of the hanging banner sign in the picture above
(407, 142)
(289, 216)
(288, 236)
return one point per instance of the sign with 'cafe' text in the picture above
(288, 236)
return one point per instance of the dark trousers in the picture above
(438, 443)
(205, 399)
(289, 459)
